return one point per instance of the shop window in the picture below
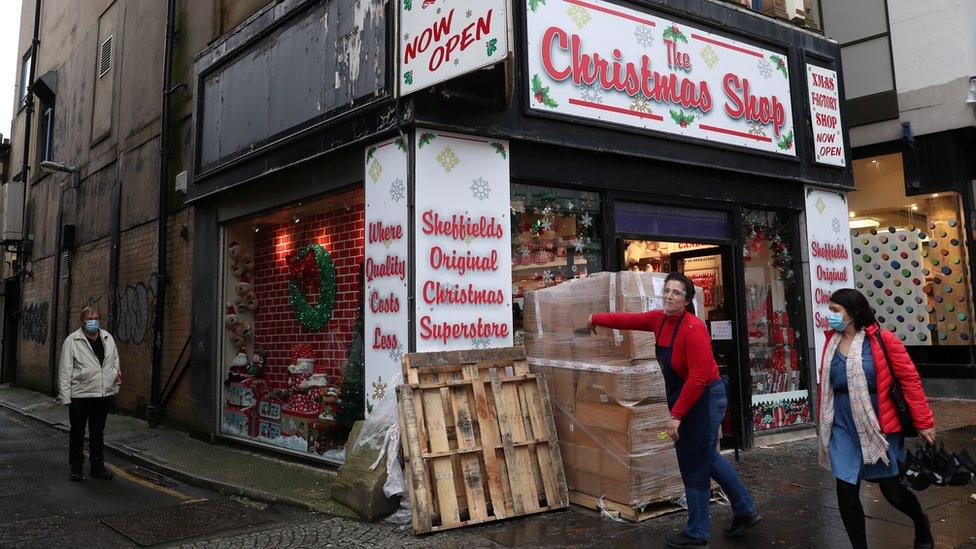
(910, 257)
(556, 236)
(292, 311)
(780, 383)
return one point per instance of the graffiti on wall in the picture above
(136, 308)
(33, 322)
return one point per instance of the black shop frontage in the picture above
(636, 136)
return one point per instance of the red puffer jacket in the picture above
(911, 384)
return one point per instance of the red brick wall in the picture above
(276, 328)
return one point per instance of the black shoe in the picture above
(683, 540)
(100, 472)
(76, 475)
(741, 524)
(923, 537)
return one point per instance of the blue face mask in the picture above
(836, 321)
(91, 326)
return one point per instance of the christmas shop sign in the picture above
(599, 61)
(441, 39)
(828, 133)
(831, 266)
(386, 265)
(463, 287)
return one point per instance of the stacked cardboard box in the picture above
(607, 388)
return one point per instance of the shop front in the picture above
(622, 138)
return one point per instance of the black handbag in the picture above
(897, 396)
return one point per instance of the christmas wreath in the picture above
(301, 269)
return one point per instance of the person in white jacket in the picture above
(88, 377)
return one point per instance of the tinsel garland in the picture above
(313, 317)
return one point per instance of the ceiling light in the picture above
(866, 223)
(297, 219)
(257, 229)
(914, 207)
(935, 195)
(852, 215)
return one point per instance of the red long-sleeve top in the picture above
(691, 354)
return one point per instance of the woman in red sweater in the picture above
(697, 398)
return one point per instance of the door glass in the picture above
(773, 299)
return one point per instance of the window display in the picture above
(293, 325)
(777, 367)
(555, 237)
(910, 257)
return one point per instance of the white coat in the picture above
(80, 375)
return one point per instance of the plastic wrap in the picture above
(607, 389)
(381, 433)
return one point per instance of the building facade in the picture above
(325, 169)
(912, 109)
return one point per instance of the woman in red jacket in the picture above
(860, 435)
(697, 399)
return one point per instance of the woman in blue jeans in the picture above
(697, 400)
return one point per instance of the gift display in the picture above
(607, 390)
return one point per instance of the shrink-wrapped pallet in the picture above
(607, 390)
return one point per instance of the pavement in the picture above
(165, 479)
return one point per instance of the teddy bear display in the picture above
(246, 297)
(238, 330)
(240, 261)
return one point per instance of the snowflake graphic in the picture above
(457, 62)
(757, 129)
(836, 225)
(709, 56)
(468, 14)
(397, 190)
(397, 353)
(591, 93)
(480, 343)
(765, 69)
(375, 170)
(644, 36)
(641, 104)
(379, 389)
(548, 277)
(480, 189)
(547, 224)
(579, 246)
(586, 220)
(580, 15)
(448, 160)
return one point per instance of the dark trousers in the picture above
(91, 412)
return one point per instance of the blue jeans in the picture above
(699, 461)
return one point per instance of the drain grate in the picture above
(29, 529)
(190, 520)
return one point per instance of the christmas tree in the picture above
(353, 395)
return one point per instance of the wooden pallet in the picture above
(479, 439)
(649, 511)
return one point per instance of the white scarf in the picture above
(874, 445)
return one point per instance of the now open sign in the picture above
(441, 39)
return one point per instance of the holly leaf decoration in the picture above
(408, 5)
(425, 139)
(492, 46)
(541, 93)
(400, 144)
(780, 64)
(369, 154)
(499, 149)
(786, 142)
(408, 77)
(534, 4)
(681, 118)
(674, 34)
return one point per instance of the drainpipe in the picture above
(162, 277)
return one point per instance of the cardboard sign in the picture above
(598, 60)
(387, 265)
(721, 330)
(441, 39)
(828, 132)
(463, 287)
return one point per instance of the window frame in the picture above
(24, 92)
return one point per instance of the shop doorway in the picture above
(710, 266)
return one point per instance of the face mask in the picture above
(836, 321)
(91, 326)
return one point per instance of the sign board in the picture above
(721, 330)
(831, 267)
(828, 134)
(441, 39)
(600, 61)
(463, 242)
(387, 265)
